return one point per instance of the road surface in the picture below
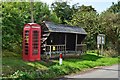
(100, 72)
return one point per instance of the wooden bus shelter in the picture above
(59, 38)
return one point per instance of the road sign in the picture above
(98, 40)
(101, 39)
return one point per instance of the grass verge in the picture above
(14, 67)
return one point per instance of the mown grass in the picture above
(15, 67)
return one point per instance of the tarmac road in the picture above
(99, 72)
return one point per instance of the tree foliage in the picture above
(111, 20)
(105, 23)
(15, 15)
(87, 17)
(115, 8)
(62, 10)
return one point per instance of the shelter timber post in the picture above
(65, 42)
(76, 44)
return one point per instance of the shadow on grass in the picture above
(11, 65)
(88, 57)
(48, 63)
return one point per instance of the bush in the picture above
(6, 53)
(111, 53)
(20, 75)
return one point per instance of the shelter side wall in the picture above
(56, 39)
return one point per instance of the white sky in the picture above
(99, 5)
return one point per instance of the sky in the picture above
(99, 5)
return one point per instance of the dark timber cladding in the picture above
(61, 37)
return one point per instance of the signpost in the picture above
(100, 41)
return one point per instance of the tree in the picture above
(12, 22)
(86, 8)
(54, 18)
(110, 20)
(111, 23)
(62, 10)
(115, 8)
(15, 15)
(87, 17)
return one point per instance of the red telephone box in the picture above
(31, 42)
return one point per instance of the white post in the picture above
(101, 49)
(60, 59)
(50, 50)
(98, 46)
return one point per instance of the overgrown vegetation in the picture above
(15, 67)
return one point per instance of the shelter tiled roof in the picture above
(53, 27)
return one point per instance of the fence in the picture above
(54, 49)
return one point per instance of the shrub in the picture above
(111, 53)
(21, 75)
(6, 53)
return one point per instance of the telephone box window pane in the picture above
(35, 42)
(26, 38)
